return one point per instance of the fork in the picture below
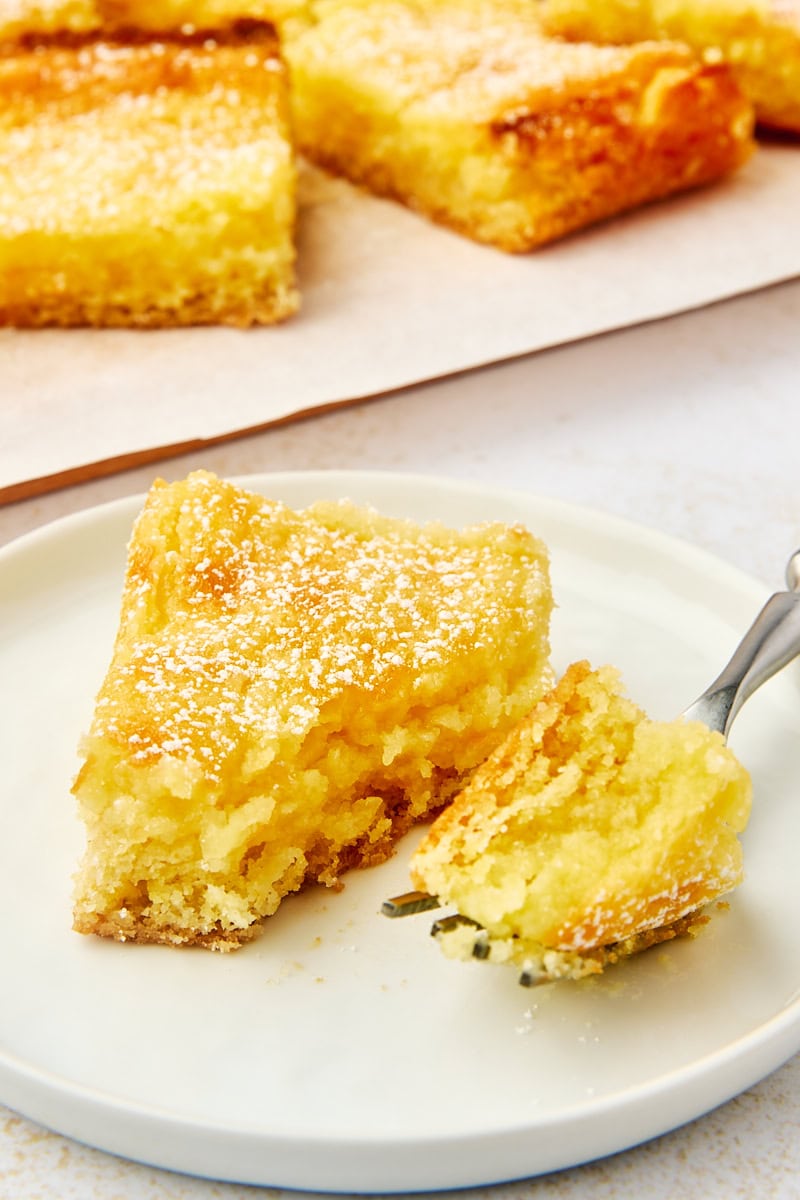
(771, 642)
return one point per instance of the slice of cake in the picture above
(289, 692)
(467, 113)
(590, 833)
(146, 183)
(759, 38)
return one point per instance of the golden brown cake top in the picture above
(242, 620)
(19, 18)
(162, 15)
(95, 133)
(758, 39)
(24, 18)
(472, 57)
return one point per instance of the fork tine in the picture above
(446, 924)
(548, 966)
(483, 945)
(408, 904)
(528, 977)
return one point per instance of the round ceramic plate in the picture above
(341, 1051)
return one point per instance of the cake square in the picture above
(146, 183)
(288, 693)
(467, 113)
(760, 39)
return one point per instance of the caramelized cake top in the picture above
(476, 55)
(140, 126)
(242, 616)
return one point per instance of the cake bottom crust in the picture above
(276, 303)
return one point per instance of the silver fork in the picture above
(771, 642)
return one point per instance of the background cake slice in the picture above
(759, 38)
(146, 183)
(469, 114)
(589, 833)
(288, 693)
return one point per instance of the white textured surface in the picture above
(690, 425)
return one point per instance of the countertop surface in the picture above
(690, 426)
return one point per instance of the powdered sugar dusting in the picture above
(243, 620)
(484, 58)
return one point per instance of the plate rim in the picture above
(380, 1157)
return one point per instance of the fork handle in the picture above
(771, 642)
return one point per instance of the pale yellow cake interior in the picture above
(288, 693)
(590, 825)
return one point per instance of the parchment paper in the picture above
(389, 300)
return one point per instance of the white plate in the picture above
(341, 1051)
